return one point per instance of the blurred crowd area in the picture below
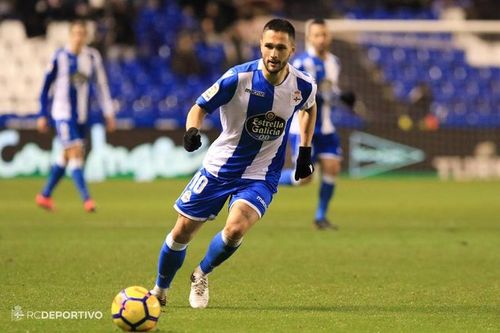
(161, 54)
(122, 21)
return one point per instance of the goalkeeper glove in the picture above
(304, 167)
(192, 139)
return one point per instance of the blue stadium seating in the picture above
(147, 90)
(463, 96)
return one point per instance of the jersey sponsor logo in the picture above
(255, 92)
(296, 98)
(210, 92)
(265, 126)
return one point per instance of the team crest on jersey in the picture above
(210, 92)
(79, 78)
(296, 98)
(265, 126)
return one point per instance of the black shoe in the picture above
(324, 224)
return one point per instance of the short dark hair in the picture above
(318, 21)
(281, 25)
(310, 22)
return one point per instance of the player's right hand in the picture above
(192, 139)
(41, 125)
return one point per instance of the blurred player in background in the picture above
(325, 68)
(257, 101)
(70, 73)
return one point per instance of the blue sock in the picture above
(77, 174)
(170, 260)
(55, 175)
(218, 251)
(326, 192)
(286, 177)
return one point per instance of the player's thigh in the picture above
(203, 197)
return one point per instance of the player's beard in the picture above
(275, 69)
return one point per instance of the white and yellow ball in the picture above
(135, 309)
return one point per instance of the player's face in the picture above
(319, 38)
(276, 48)
(77, 36)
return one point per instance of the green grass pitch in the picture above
(411, 255)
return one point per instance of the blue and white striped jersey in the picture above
(326, 72)
(256, 118)
(69, 75)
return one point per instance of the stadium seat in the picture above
(459, 89)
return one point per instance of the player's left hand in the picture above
(305, 166)
(348, 98)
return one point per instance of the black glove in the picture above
(192, 139)
(304, 167)
(348, 98)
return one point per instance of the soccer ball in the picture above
(135, 309)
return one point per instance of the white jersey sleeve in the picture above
(104, 95)
(220, 93)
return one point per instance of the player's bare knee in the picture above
(234, 232)
(231, 240)
(62, 160)
(180, 236)
(184, 229)
(239, 223)
(75, 163)
(330, 167)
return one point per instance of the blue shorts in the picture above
(205, 195)
(70, 132)
(324, 145)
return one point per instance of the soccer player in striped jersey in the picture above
(325, 68)
(257, 101)
(69, 75)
